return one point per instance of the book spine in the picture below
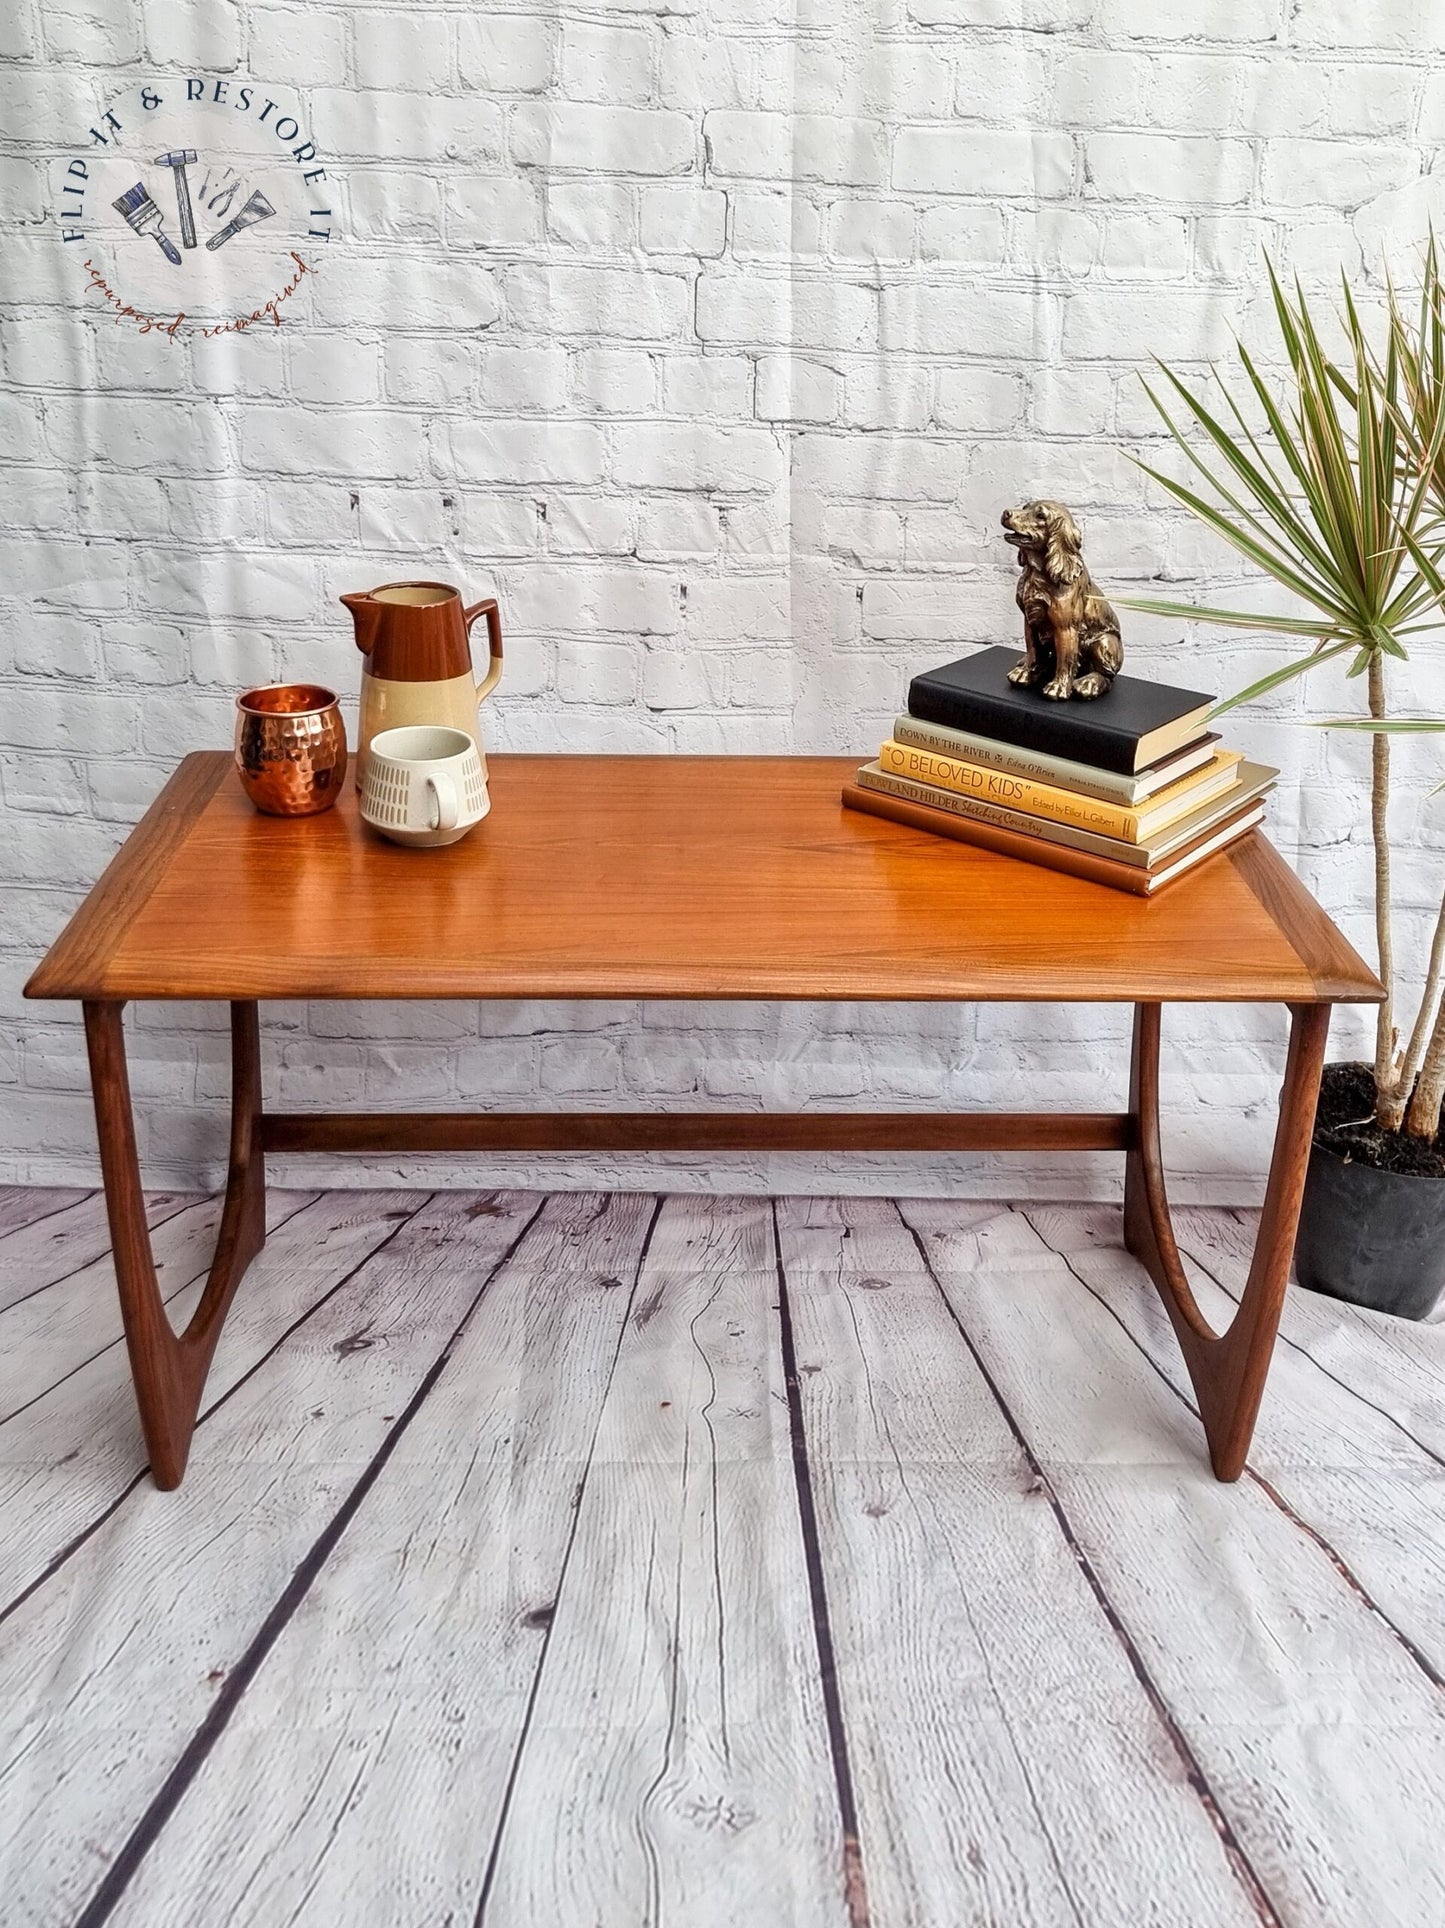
(1010, 792)
(1079, 739)
(1018, 821)
(1103, 784)
(1075, 863)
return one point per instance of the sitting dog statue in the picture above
(1071, 635)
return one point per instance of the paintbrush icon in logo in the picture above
(145, 217)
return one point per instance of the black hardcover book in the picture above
(1133, 724)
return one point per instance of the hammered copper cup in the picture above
(290, 748)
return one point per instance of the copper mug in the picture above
(290, 748)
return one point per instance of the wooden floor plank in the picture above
(70, 1457)
(1341, 1463)
(1399, 1364)
(1315, 1729)
(107, 1671)
(24, 1204)
(676, 1767)
(403, 1682)
(51, 1334)
(1009, 1767)
(45, 1250)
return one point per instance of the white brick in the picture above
(885, 467)
(684, 220)
(524, 378)
(1162, 167)
(288, 441)
(394, 205)
(590, 525)
(1364, 23)
(614, 381)
(688, 681)
(499, 525)
(677, 527)
(508, 55)
(872, 230)
(283, 43)
(886, 393)
(593, 214)
(980, 400)
(391, 127)
(796, 147)
(1098, 87)
(391, 53)
(976, 160)
(1335, 174)
(711, 384)
(606, 63)
(492, 212)
(537, 451)
(1178, 326)
(937, 319)
(428, 293)
(734, 307)
(673, 456)
(434, 370)
(206, 39)
(793, 390)
(329, 368)
(966, 234)
(1236, 20)
(622, 140)
(634, 601)
(589, 672)
(591, 301)
(103, 32)
(768, 221)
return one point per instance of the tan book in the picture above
(1032, 850)
(1113, 786)
(1132, 823)
(1254, 780)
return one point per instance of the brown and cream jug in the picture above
(418, 669)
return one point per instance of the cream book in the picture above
(1255, 780)
(1133, 823)
(1111, 786)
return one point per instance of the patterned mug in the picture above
(424, 785)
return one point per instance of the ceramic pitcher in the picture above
(415, 638)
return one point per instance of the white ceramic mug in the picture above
(424, 785)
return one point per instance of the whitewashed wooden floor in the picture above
(599, 1561)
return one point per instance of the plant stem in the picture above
(1423, 1118)
(1379, 807)
(1391, 1108)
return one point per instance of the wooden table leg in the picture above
(1228, 1369)
(169, 1368)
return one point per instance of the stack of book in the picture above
(1131, 790)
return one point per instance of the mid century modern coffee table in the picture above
(673, 877)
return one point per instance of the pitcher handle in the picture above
(487, 608)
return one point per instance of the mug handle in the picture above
(444, 789)
(487, 608)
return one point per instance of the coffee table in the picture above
(673, 877)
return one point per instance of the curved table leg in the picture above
(169, 1368)
(1228, 1369)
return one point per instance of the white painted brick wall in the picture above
(710, 335)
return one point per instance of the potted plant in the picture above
(1336, 490)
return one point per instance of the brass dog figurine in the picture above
(1071, 635)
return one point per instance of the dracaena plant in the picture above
(1335, 488)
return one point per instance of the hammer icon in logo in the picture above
(177, 163)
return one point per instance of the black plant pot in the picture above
(1373, 1238)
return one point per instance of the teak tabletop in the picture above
(686, 877)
